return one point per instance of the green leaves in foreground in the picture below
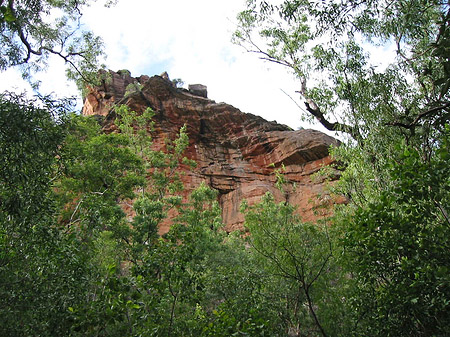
(299, 263)
(399, 250)
(42, 271)
(73, 263)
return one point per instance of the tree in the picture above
(28, 37)
(398, 248)
(98, 172)
(395, 170)
(299, 261)
(42, 272)
(325, 44)
(172, 268)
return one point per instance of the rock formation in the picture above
(236, 152)
(198, 89)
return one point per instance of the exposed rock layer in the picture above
(236, 152)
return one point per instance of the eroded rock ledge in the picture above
(236, 152)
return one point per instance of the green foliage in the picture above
(133, 88)
(300, 268)
(137, 129)
(74, 263)
(377, 105)
(394, 227)
(398, 249)
(237, 283)
(144, 284)
(178, 82)
(29, 140)
(28, 37)
(169, 271)
(42, 272)
(98, 172)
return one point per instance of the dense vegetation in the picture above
(73, 264)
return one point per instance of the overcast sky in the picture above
(190, 40)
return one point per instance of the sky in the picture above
(190, 40)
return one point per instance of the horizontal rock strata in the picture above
(236, 152)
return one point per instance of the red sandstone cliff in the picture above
(234, 150)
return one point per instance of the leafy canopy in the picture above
(394, 227)
(328, 46)
(33, 30)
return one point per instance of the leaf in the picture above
(445, 88)
(132, 305)
(8, 14)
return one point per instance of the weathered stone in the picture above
(165, 76)
(236, 152)
(99, 100)
(198, 90)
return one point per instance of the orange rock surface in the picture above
(236, 152)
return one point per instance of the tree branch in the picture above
(31, 51)
(314, 110)
(443, 211)
(311, 308)
(423, 114)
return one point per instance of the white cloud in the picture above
(12, 81)
(192, 41)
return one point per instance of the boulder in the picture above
(198, 90)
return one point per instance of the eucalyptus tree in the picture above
(33, 30)
(328, 46)
(378, 72)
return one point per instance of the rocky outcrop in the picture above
(236, 152)
(198, 89)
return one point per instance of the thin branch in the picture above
(415, 122)
(31, 51)
(174, 302)
(443, 211)
(267, 56)
(311, 107)
(293, 100)
(67, 60)
(311, 308)
(271, 257)
(273, 60)
(325, 262)
(76, 209)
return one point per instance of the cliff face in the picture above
(234, 150)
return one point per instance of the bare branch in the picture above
(293, 100)
(69, 61)
(314, 110)
(76, 209)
